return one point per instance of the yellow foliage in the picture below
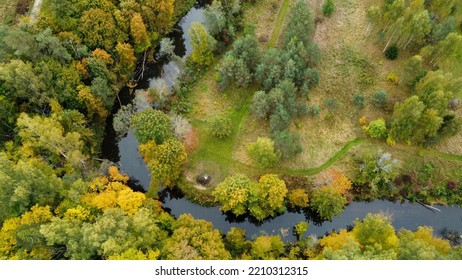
(298, 198)
(104, 200)
(134, 254)
(426, 234)
(98, 183)
(130, 201)
(94, 104)
(78, 213)
(393, 79)
(36, 215)
(114, 175)
(363, 120)
(336, 241)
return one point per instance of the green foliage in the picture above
(239, 64)
(377, 129)
(236, 243)
(164, 160)
(412, 71)
(300, 24)
(287, 143)
(376, 174)
(327, 202)
(331, 105)
(194, 240)
(392, 52)
(262, 152)
(300, 229)
(421, 245)
(152, 124)
(203, 45)
(379, 99)
(358, 100)
(314, 110)
(221, 126)
(328, 8)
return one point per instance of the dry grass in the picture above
(263, 15)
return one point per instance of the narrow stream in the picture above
(125, 152)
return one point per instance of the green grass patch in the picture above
(279, 22)
(7, 11)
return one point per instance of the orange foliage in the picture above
(333, 178)
(103, 56)
(362, 120)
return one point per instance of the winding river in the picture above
(124, 151)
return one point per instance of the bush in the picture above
(287, 143)
(315, 110)
(377, 129)
(379, 99)
(331, 105)
(358, 100)
(262, 152)
(327, 202)
(221, 126)
(152, 124)
(328, 8)
(393, 79)
(392, 52)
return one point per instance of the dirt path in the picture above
(35, 11)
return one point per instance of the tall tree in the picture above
(139, 33)
(203, 45)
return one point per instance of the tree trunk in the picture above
(391, 37)
(410, 39)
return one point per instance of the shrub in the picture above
(358, 100)
(379, 99)
(327, 202)
(152, 124)
(362, 120)
(221, 126)
(393, 79)
(262, 152)
(315, 110)
(391, 52)
(331, 104)
(328, 8)
(377, 129)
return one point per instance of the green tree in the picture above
(221, 126)
(300, 229)
(287, 143)
(379, 99)
(233, 194)
(300, 24)
(328, 8)
(152, 124)
(327, 202)
(236, 242)
(99, 29)
(358, 100)
(412, 71)
(377, 129)
(164, 160)
(262, 152)
(267, 197)
(203, 45)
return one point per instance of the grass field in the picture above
(351, 63)
(7, 11)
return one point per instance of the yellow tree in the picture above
(139, 33)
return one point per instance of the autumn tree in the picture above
(194, 240)
(99, 29)
(266, 198)
(421, 245)
(233, 194)
(139, 33)
(164, 160)
(267, 248)
(203, 45)
(327, 202)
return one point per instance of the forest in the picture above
(257, 109)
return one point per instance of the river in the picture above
(125, 152)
